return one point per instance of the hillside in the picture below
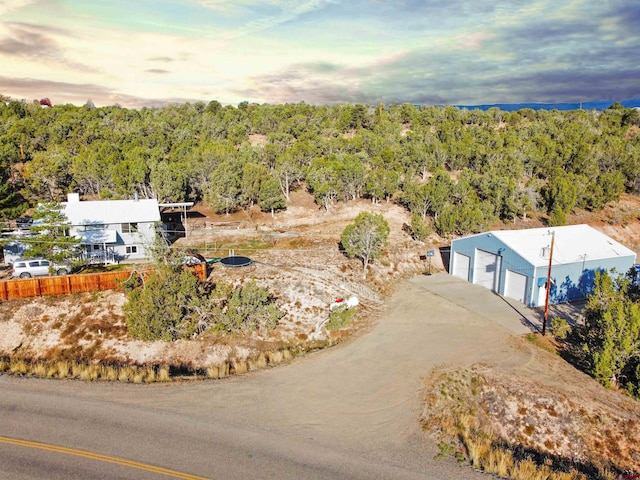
(296, 256)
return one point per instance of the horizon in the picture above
(321, 52)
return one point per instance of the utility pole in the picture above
(546, 302)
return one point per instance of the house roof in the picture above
(111, 211)
(571, 244)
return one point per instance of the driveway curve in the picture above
(351, 411)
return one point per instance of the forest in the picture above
(455, 170)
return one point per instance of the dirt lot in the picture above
(295, 254)
(296, 257)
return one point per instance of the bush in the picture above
(249, 308)
(160, 309)
(173, 304)
(559, 328)
(339, 318)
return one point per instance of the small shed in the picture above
(514, 263)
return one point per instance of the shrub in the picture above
(560, 328)
(159, 310)
(249, 308)
(340, 317)
(173, 304)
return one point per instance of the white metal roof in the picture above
(571, 244)
(176, 205)
(110, 212)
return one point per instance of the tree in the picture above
(381, 183)
(249, 308)
(287, 171)
(12, 203)
(48, 176)
(560, 194)
(365, 238)
(324, 181)
(351, 174)
(253, 176)
(50, 234)
(224, 189)
(270, 197)
(419, 229)
(611, 334)
(160, 309)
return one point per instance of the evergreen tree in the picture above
(270, 197)
(365, 238)
(611, 334)
(50, 235)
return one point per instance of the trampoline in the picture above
(236, 261)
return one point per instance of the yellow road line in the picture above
(102, 458)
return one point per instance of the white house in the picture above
(515, 263)
(113, 230)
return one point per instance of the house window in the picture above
(129, 228)
(96, 247)
(132, 249)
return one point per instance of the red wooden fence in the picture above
(67, 284)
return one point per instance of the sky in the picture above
(137, 53)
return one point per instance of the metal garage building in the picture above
(515, 263)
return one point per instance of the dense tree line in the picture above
(454, 169)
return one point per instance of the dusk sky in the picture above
(462, 52)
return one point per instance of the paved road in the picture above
(350, 412)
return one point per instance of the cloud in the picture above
(161, 59)
(27, 41)
(262, 15)
(37, 43)
(78, 94)
(498, 67)
(323, 51)
(8, 6)
(473, 41)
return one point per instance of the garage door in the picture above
(515, 286)
(461, 266)
(487, 270)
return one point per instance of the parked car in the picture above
(37, 267)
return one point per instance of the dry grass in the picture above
(516, 430)
(96, 371)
